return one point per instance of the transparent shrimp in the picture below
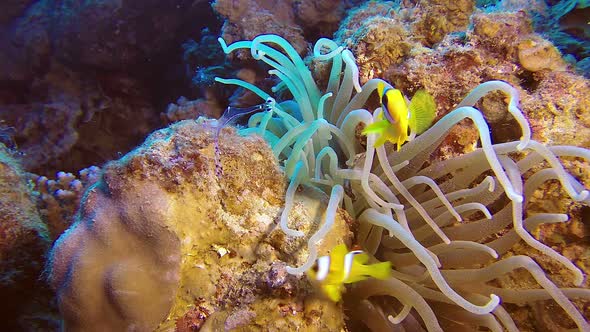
(229, 115)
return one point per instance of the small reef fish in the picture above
(343, 267)
(397, 116)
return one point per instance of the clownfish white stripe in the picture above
(323, 267)
(348, 262)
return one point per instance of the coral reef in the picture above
(206, 227)
(293, 20)
(320, 17)
(383, 34)
(58, 200)
(247, 19)
(564, 23)
(161, 221)
(185, 109)
(498, 46)
(24, 243)
(378, 38)
(433, 20)
(80, 82)
(69, 121)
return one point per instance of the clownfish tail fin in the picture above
(381, 270)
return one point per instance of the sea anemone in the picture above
(440, 216)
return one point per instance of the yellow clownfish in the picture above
(343, 267)
(396, 117)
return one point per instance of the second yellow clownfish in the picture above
(344, 267)
(397, 117)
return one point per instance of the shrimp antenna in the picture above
(231, 114)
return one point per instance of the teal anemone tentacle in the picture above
(287, 140)
(332, 165)
(305, 105)
(334, 54)
(299, 176)
(227, 49)
(302, 140)
(323, 136)
(343, 95)
(303, 70)
(333, 83)
(249, 86)
(328, 43)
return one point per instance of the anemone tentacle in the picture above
(434, 212)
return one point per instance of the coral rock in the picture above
(248, 19)
(440, 17)
(536, 54)
(23, 245)
(164, 238)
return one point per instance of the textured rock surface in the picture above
(185, 109)
(499, 46)
(80, 80)
(288, 19)
(564, 23)
(160, 221)
(248, 19)
(68, 121)
(383, 34)
(24, 242)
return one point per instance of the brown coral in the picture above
(502, 46)
(248, 19)
(438, 18)
(23, 245)
(162, 222)
(377, 38)
(558, 107)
